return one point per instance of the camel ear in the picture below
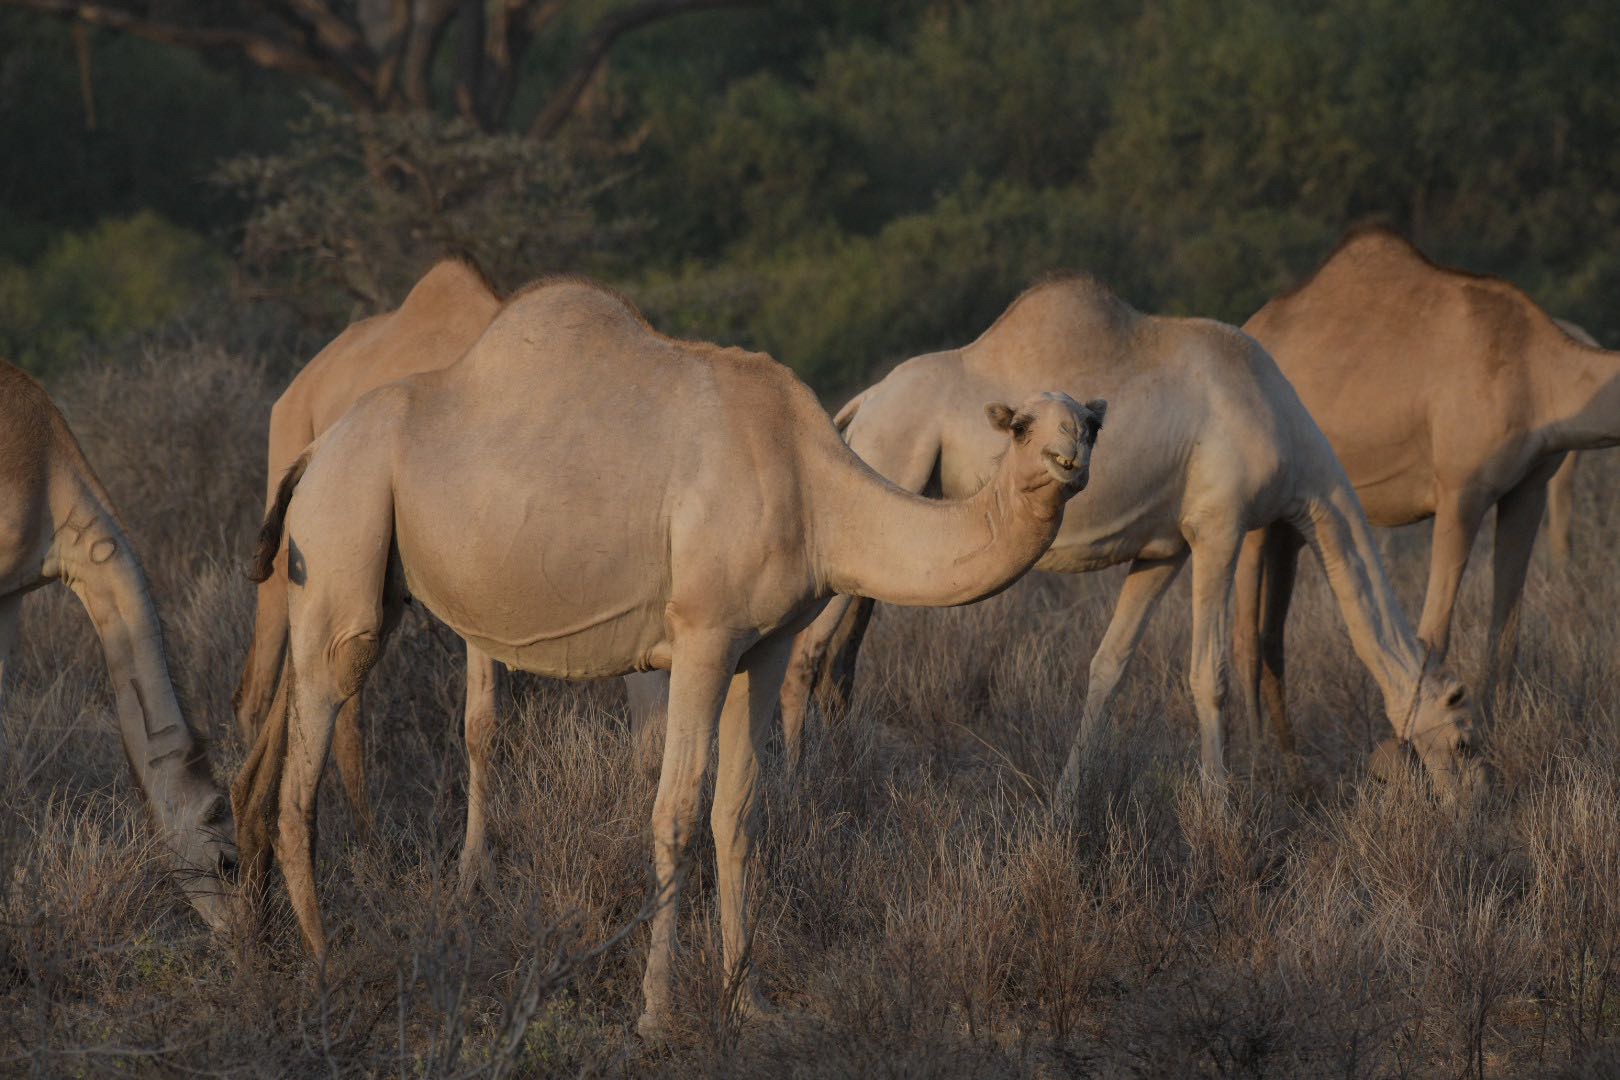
(1003, 418)
(1099, 407)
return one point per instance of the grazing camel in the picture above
(1211, 443)
(640, 503)
(57, 523)
(442, 316)
(1444, 394)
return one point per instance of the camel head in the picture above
(1051, 440)
(203, 840)
(1442, 737)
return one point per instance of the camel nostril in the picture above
(230, 868)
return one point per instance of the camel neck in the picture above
(1379, 631)
(1578, 395)
(169, 760)
(876, 540)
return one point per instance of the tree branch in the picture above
(600, 40)
(265, 52)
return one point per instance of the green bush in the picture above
(92, 289)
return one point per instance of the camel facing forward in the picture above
(640, 503)
(1445, 395)
(57, 523)
(1211, 442)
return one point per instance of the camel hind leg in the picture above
(1561, 513)
(325, 673)
(1280, 556)
(1214, 559)
(349, 751)
(339, 623)
(256, 690)
(1518, 517)
(822, 667)
(345, 594)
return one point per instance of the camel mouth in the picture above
(1068, 472)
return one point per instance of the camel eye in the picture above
(1455, 698)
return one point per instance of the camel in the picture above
(441, 317)
(1444, 394)
(58, 524)
(1211, 443)
(641, 503)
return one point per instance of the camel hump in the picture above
(456, 279)
(1070, 306)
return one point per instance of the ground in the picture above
(921, 911)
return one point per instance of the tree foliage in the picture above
(357, 205)
(844, 183)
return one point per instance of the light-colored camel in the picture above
(441, 317)
(57, 524)
(1444, 394)
(1209, 443)
(581, 497)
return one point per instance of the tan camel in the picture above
(1211, 443)
(57, 523)
(1444, 394)
(442, 316)
(640, 503)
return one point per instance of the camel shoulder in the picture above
(758, 382)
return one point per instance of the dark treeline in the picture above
(839, 183)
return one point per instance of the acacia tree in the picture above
(382, 55)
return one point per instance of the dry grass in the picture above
(920, 913)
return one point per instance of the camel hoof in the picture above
(652, 1028)
(475, 871)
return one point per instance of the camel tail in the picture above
(847, 413)
(264, 556)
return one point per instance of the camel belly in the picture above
(537, 628)
(533, 593)
(1114, 521)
